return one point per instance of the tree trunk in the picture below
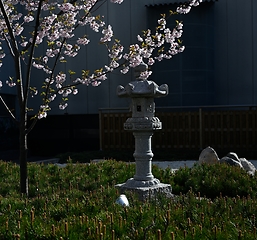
(23, 156)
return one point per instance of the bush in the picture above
(213, 180)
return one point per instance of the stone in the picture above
(233, 156)
(248, 166)
(209, 156)
(122, 200)
(230, 161)
(145, 193)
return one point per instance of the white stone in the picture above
(208, 155)
(247, 165)
(231, 161)
(122, 200)
(233, 156)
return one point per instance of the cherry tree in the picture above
(44, 34)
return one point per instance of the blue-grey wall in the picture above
(217, 67)
(236, 51)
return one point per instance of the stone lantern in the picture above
(142, 124)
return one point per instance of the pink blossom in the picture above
(139, 38)
(49, 53)
(28, 18)
(36, 65)
(45, 59)
(24, 44)
(83, 41)
(114, 64)
(108, 33)
(11, 83)
(52, 97)
(144, 75)
(151, 61)
(60, 78)
(117, 1)
(42, 114)
(75, 91)
(62, 106)
(96, 83)
(67, 7)
(124, 70)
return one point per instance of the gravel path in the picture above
(188, 163)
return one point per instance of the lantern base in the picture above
(146, 189)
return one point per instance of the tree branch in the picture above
(16, 56)
(9, 45)
(8, 109)
(31, 55)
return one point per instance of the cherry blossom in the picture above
(117, 1)
(83, 41)
(144, 75)
(108, 33)
(11, 83)
(62, 106)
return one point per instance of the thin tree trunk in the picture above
(24, 188)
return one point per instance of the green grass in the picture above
(78, 202)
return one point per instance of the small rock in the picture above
(233, 156)
(208, 155)
(248, 166)
(230, 161)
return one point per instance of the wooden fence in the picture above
(190, 129)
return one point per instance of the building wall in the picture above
(236, 51)
(217, 67)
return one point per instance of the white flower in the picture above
(42, 114)
(24, 44)
(36, 65)
(114, 64)
(45, 59)
(144, 75)
(95, 83)
(124, 70)
(83, 41)
(52, 97)
(11, 83)
(28, 18)
(63, 106)
(117, 1)
(139, 38)
(151, 61)
(108, 33)
(67, 7)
